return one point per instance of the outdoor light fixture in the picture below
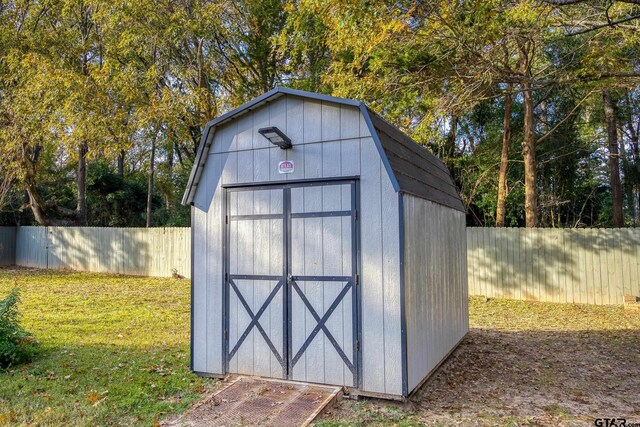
(276, 137)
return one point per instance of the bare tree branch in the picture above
(608, 24)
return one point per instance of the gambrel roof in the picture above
(411, 167)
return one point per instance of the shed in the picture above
(328, 247)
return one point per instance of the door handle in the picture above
(289, 278)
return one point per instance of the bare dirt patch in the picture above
(524, 363)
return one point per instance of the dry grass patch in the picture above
(524, 363)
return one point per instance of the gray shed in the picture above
(328, 247)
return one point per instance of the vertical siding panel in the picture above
(372, 280)
(364, 128)
(245, 166)
(349, 122)
(260, 120)
(391, 283)
(312, 121)
(229, 136)
(313, 160)
(296, 155)
(295, 120)
(276, 307)
(331, 159)
(350, 157)
(278, 114)
(230, 170)
(330, 121)
(245, 129)
(246, 265)
(199, 301)
(262, 288)
(295, 131)
(214, 269)
(314, 291)
(261, 165)
(332, 256)
(299, 312)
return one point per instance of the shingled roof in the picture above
(412, 168)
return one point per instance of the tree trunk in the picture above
(121, 163)
(614, 159)
(529, 156)
(81, 184)
(504, 159)
(152, 170)
(635, 155)
(635, 147)
(35, 203)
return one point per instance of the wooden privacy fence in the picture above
(138, 251)
(594, 266)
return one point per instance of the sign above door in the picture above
(286, 166)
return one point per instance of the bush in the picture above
(16, 345)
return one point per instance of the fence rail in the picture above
(594, 266)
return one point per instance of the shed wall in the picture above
(435, 284)
(329, 140)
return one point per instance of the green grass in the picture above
(510, 315)
(115, 350)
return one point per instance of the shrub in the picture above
(16, 345)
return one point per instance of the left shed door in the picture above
(256, 282)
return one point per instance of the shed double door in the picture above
(291, 284)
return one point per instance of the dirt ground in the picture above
(524, 363)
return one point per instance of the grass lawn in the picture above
(115, 350)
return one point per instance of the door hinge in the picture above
(226, 277)
(226, 336)
(226, 219)
(355, 214)
(357, 279)
(357, 345)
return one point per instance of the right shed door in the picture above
(322, 281)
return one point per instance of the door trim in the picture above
(286, 186)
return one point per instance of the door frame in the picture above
(286, 267)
